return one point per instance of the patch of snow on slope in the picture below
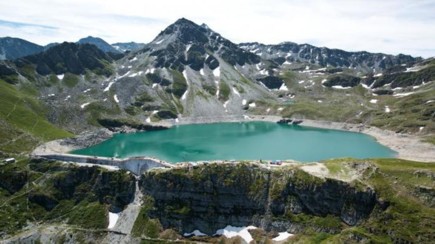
(188, 84)
(282, 236)
(264, 72)
(202, 72)
(184, 95)
(148, 120)
(160, 41)
(217, 72)
(60, 77)
(84, 105)
(67, 98)
(226, 103)
(195, 233)
(134, 59)
(403, 94)
(283, 87)
(155, 85)
(341, 87)
(244, 102)
(113, 218)
(231, 231)
(301, 81)
(87, 90)
(115, 97)
(374, 101)
(236, 92)
(387, 109)
(252, 105)
(413, 69)
(108, 86)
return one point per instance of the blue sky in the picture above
(389, 26)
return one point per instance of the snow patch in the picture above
(115, 97)
(113, 218)
(341, 87)
(365, 86)
(280, 109)
(51, 95)
(202, 72)
(236, 92)
(60, 77)
(87, 90)
(374, 101)
(231, 231)
(421, 128)
(195, 233)
(160, 41)
(187, 81)
(283, 87)
(67, 98)
(378, 75)
(184, 95)
(387, 109)
(252, 105)
(319, 101)
(413, 69)
(155, 85)
(302, 81)
(430, 101)
(403, 94)
(148, 120)
(244, 102)
(84, 105)
(282, 236)
(267, 110)
(108, 86)
(134, 59)
(217, 72)
(226, 103)
(264, 72)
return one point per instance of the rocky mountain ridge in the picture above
(190, 71)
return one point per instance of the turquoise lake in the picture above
(241, 141)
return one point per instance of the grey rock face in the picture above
(210, 197)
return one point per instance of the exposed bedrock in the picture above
(209, 197)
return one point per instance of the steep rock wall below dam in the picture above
(210, 197)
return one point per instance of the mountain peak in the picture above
(185, 31)
(100, 43)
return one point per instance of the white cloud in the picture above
(390, 26)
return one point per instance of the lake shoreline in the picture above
(408, 147)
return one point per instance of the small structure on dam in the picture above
(136, 165)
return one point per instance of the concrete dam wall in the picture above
(136, 165)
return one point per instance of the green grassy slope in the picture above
(23, 122)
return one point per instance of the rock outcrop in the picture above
(210, 197)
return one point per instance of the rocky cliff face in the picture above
(32, 191)
(209, 197)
